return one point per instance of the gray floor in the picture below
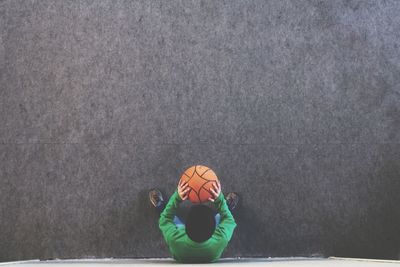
(294, 104)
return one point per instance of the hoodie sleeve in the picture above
(166, 221)
(227, 223)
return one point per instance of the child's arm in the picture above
(166, 221)
(227, 223)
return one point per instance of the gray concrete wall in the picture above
(294, 104)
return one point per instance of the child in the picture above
(204, 235)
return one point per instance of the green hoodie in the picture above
(182, 248)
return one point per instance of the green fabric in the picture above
(182, 248)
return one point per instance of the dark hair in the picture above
(200, 223)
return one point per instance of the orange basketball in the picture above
(200, 179)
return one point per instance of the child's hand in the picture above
(183, 190)
(215, 190)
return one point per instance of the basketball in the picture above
(200, 179)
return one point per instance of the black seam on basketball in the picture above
(197, 193)
(205, 172)
(200, 176)
(198, 196)
(208, 191)
(206, 188)
(191, 189)
(194, 171)
(190, 178)
(202, 173)
(207, 179)
(202, 187)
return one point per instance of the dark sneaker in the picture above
(232, 199)
(156, 198)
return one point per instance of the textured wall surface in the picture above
(294, 104)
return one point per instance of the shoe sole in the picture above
(150, 196)
(236, 200)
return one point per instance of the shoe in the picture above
(232, 199)
(156, 198)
